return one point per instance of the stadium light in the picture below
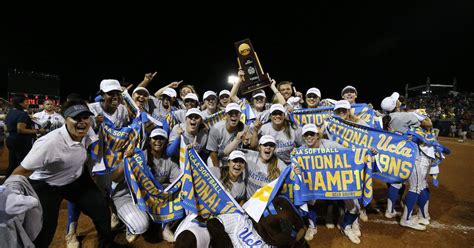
(232, 79)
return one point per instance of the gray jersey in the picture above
(165, 170)
(219, 138)
(284, 144)
(402, 121)
(119, 117)
(180, 115)
(257, 172)
(238, 188)
(159, 110)
(201, 140)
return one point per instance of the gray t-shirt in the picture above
(257, 172)
(402, 121)
(180, 115)
(284, 144)
(201, 140)
(159, 110)
(219, 138)
(165, 170)
(238, 188)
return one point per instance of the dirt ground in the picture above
(451, 210)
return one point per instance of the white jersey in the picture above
(284, 144)
(42, 118)
(241, 232)
(119, 117)
(257, 172)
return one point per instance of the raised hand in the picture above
(175, 84)
(149, 76)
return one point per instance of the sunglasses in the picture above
(158, 137)
(273, 145)
(277, 113)
(114, 93)
(81, 117)
(309, 134)
(311, 96)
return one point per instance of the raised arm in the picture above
(236, 86)
(147, 79)
(173, 85)
(278, 96)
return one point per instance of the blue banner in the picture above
(396, 155)
(247, 116)
(201, 192)
(114, 142)
(335, 173)
(147, 192)
(318, 115)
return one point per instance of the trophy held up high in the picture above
(248, 61)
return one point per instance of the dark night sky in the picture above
(377, 48)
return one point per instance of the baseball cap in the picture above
(191, 96)
(107, 85)
(314, 91)
(389, 103)
(194, 111)
(224, 92)
(75, 110)
(158, 132)
(169, 92)
(208, 94)
(237, 154)
(232, 106)
(310, 128)
(259, 93)
(266, 139)
(142, 89)
(342, 104)
(277, 107)
(348, 87)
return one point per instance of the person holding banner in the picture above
(311, 138)
(262, 166)
(231, 176)
(287, 134)
(56, 166)
(222, 133)
(192, 129)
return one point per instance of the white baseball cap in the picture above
(342, 104)
(232, 106)
(277, 107)
(191, 96)
(310, 128)
(208, 94)
(194, 111)
(259, 93)
(224, 92)
(141, 89)
(314, 91)
(107, 85)
(158, 132)
(169, 92)
(388, 104)
(237, 154)
(266, 139)
(348, 87)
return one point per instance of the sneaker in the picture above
(393, 214)
(330, 225)
(71, 241)
(351, 235)
(310, 233)
(363, 215)
(168, 235)
(130, 237)
(356, 228)
(421, 220)
(114, 221)
(412, 224)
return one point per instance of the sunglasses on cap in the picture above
(269, 144)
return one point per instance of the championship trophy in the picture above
(248, 61)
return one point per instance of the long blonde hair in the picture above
(225, 177)
(273, 170)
